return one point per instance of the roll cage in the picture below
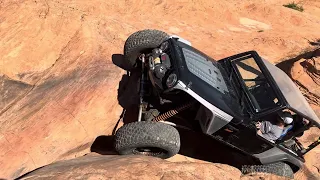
(246, 68)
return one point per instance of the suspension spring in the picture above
(172, 112)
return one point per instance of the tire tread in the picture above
(147, 134)
(279, 168)
(141, 40)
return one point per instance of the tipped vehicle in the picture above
(181, 87)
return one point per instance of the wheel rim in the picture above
(149, 151)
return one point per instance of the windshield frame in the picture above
(252, 54)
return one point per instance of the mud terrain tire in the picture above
(147, 138)
(140, 42)
(279, 168)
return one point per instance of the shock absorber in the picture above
(142, 85)
(172, 112)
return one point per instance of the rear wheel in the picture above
(147, 138)
(140, 42)
(279, 168)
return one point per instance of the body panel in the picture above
(210, 124)
(275, 154)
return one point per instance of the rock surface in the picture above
(306, 73)
(94, 166)
(59, 86)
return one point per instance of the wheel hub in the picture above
(149, 151)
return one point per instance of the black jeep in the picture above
(182, 87)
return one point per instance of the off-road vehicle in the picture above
(182, 87)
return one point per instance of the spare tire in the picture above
(140, 42)
(147, 138)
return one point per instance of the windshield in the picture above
(261, 94)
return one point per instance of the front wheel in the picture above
(147, 138)
(142, 41)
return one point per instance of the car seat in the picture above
(285, 131)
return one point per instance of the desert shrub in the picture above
(294, 6)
